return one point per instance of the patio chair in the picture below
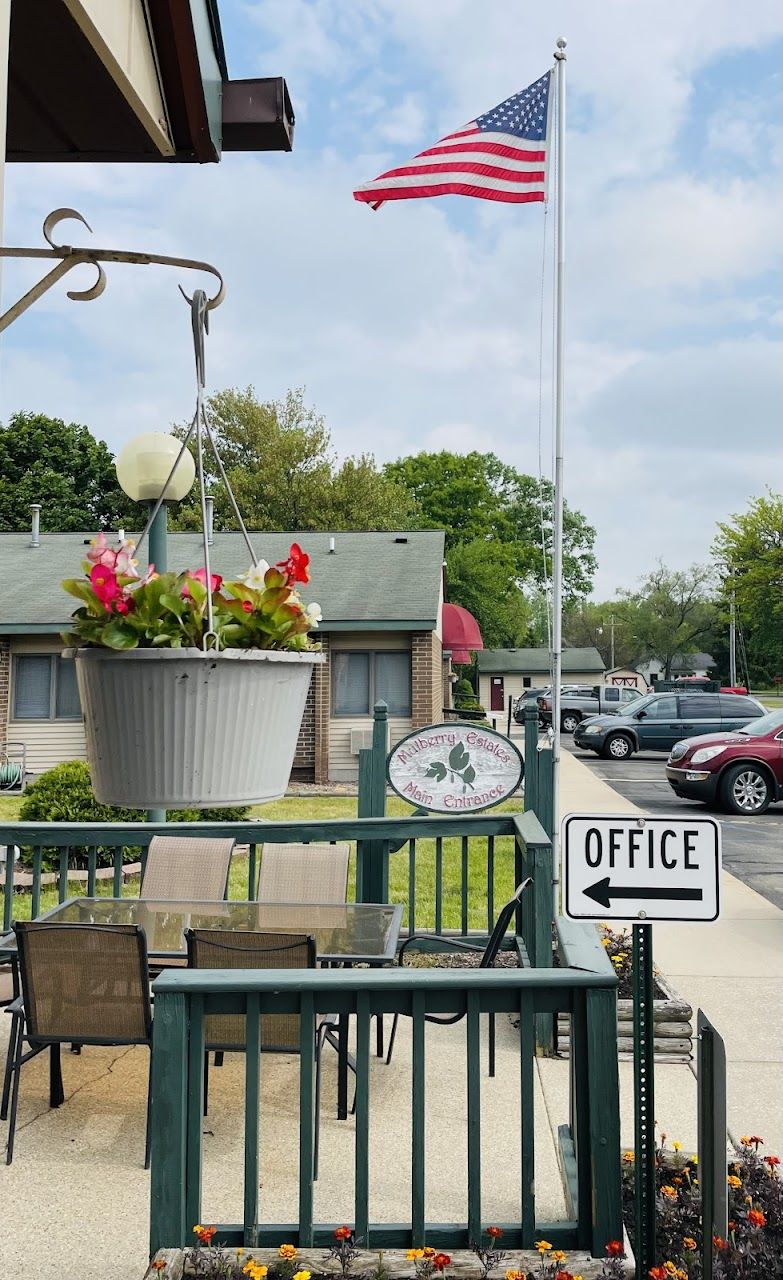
(81, 984)
(186, 868)
(226, 1032)
(488, 958)
(304, 873)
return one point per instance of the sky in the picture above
(420, 326)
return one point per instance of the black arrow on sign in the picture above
(602, 892)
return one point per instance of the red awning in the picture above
(461, 633)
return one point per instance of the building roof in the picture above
(528, 661)
(371, 581)
(690, 661)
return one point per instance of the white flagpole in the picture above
(557, 556)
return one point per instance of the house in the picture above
(382, 601)
(689, 664)
(628, 677)
(505, 673)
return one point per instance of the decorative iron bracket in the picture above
(73, 256)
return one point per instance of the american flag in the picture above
(501, 155)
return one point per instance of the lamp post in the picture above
(143, 467)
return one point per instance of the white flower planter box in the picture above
(178, 728)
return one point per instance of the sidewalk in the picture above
(733, 970)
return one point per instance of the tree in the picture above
(480, 577)
(672, 613)
(590, 623)
(749, 551)
(475, 495)
(64, 468)
(278, 459)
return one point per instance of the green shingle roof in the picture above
(537, 660)
(383, 580)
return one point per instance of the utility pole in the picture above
(611, 632)
(733, 643)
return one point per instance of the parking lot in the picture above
(752, 847)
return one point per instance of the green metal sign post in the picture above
(644, 1088)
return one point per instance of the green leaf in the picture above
(469, 774)
(436, 770)
(458, 757)
(119, 634)
(175, 604)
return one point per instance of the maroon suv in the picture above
(741, 771)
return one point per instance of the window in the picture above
(703, 706)
(360, 679)
(45, 688)
(662, 709)
(526, 682)
(629, 695)
(612, 694)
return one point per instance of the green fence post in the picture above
(372, 856)
(531, 758)
(644, 1091)
(604, 1119)
(711, 1095)
(545, 808)
(169, 1084)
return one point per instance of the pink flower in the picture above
(121, 605)
(100, 553)
(200, 575)
(104, 584)
(297, 565)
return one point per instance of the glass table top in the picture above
(351, 931)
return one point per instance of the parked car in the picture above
(533, 695)
(657, 721)
(584, 701)
(742, 772)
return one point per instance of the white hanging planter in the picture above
(178, 728)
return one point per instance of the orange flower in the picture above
(719, 1242)
(288, 1251)
(441, 1261)
(558, 1256)
(771, 1161)
(756, 1218)
(688, 1242)
(628, 1157)
(343, 1233)
(427, 1252)
(543, 1246)
(516, 1275)
(734, 1181)
(657, 1273)
(495, 1232)
(159, 1265)
(669, 1192)
(414, 1254)
(204, 1235)
(615, 1248)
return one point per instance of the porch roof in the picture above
(511, 661)
(370, 581)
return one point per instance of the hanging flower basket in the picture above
(172, 728)
(193, 689)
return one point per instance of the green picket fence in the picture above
(590, 1143)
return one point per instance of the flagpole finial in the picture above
(559, 51)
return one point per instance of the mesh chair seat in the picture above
(315, 872)
(182, 868)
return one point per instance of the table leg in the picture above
(56, 1092)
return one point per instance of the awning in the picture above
(461, 633)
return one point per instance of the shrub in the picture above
(64, 794)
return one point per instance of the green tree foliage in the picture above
(749, 551)
(480, 576)
(493, 519)
(672, 613)
(64, 468)
(588, 622)
(280, 464)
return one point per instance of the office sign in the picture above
(641, 869)
(455, 768)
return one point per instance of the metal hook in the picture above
(87, 295)
(61, 215)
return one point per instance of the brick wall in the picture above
(5, 685)
(322, 705)
(427, 672)
(304, 759)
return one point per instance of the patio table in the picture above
(345, 934)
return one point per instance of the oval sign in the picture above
(455, 768)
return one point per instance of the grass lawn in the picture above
(301, 808)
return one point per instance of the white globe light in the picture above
(144, 464)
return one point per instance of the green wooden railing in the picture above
(590, 1142)
(455, 873)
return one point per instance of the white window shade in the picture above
(393, 682)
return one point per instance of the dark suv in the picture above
(661, 719)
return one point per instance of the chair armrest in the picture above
(439, 937)
(15, 1006)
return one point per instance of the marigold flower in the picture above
(628, 1157)
(615, 1248)
(496, 1232)
(756, 1218)
(158, 1265)
(733, 1181)
(719, 1242)
(428, 1251)
(414, 1254)
(515, 1275)
(343, 1233)
(288, 1251)
(677, 1146)
(756, 1140)
(301, 1275)
(670, 1268)
(688, 1242)
(657, 1273)
(772, 1161)
(745, 1142)
(204, 1235)
(732, 1225)
(559, 1256)
(441, 1261)
(669, 1192)
(543, 1246)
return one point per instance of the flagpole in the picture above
(557, 556)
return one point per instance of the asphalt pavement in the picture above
(752, 847)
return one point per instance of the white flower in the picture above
(255, 576)
(313, 614)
